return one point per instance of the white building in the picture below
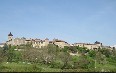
(96, 45)
(2, 44)
(60, 43)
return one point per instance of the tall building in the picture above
(10, 39)
(15, 41)
(10, 36)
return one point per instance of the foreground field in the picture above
(27, 67)
(21, 67)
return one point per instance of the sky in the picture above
(73, 21)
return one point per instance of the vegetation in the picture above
(54, 59)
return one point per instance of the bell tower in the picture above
(10, 37)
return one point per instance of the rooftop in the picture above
(2, 43)
(10, 34)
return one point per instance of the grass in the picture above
(18, 67)
(21, 67)
(106, 67)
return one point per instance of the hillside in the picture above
(54, 59)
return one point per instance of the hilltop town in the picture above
(38, 43)
(37, 55)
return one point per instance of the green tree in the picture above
(66, 59)
(53, 49)
(11, 53)
(65, 49)
(82, 62)
(5, 48)
(100, 58)
(82, 49)
(73, 49)
(92, 53)
(106, 52)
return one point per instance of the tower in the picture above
(46, 41)
(98, 44)
(10, 37)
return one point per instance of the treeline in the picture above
(60, 58)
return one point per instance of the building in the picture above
(15, 41)
(10, 39)
(38, 43)
(108, 47)
(96, 45)
(2, 44)
(60, 43)
(114, 47)
(22, 41)
(19, 41)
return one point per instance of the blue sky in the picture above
(69, 20)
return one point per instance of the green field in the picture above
(21, 67)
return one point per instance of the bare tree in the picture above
(45, 56)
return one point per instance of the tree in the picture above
(53, 49)
(106, 52)
(100, 58)
(73, 49)
(82, 62)
(10, 53)
(65, 49)
(92, 53)
(30, 55)
(46, 56)
(1, 57)
(82, 49)
(5, 47)
(66, 59)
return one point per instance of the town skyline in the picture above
(39, 43)
(14, 37)
(71, 21)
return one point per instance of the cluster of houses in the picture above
(38, 43)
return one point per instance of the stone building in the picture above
(20, 41)
(60, 43)
(96, 45)
(2, 44)
(10, 39)
(15, 41)
(38, 43)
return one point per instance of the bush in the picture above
(92, 53)
(83, 62)
(57, 64)
(75, 58)
(35, 68)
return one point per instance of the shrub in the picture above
(56, 64)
